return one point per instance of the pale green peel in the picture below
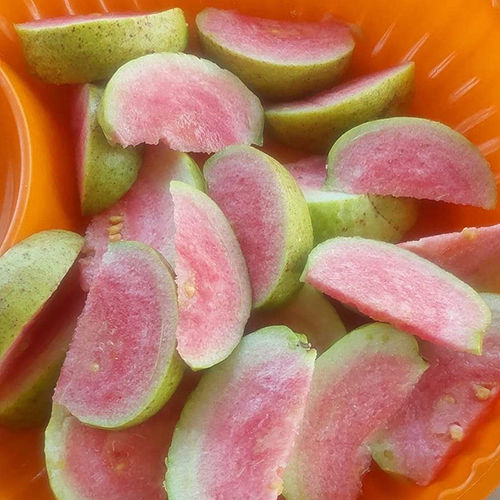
(92, 50)
(377, 217)
(108, 171)
(30, 272)
(272, 80)
(315, 128)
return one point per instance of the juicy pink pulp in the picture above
(44, 339)
(245, 189)
(473, 255)
(277, 41)
(122, 340)
(309, 173)
(341, 92)
(147, 211)
(186, 102)
(340, 416)
(415, 161)
(250, 431)
(419, 436)
(392, 285)
(54, 22)
(212, 281)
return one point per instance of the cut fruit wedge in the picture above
(444, 408)
(145, 213)
(411, 157)
(358, 383)
(269, 216)
(212, 279)
(242, 416)
(314, 123)
(188, 103)
(82, 49)
(473, 255)
(122, 365)
(396, 286)
(105, 172)
(277, 59)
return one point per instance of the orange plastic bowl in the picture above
(456, 47)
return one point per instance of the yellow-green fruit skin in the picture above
(94, 49)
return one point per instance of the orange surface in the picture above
(456, 47)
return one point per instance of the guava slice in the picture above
(30, 366)
(309, 172)
(277, 59)
(358, 384)
(308, 312)
(411, 157)
(444, 408)
(473, 255)
(186, 102)
(30, 273)
(105, 172)
(391, 284)
(122, 366)
(314, 123)
(213, 286)
(82, 49)
(269, 216)
(145, 213)
(238, 427)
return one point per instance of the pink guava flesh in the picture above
(393, 285)
(43, 340)
(147, 211)
(473, 255)
(455, 391)
(413, 158)
(55, 22)
(341, 92)
(282, 42)
(212, 279)
(309, 173)
(245, 188)
(188, 103)
(338, 423)
(124, 337)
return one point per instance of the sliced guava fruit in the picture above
(391, 284)
(277, 59)
(238, 427)
(309, 172)
(122, 365)
(269, 216)
(30, 272)
(186, 102)
(308, 312)
(314, 123)
(213, 285)
(358, 384)
(82, 49)
(145, 213)
(473, 255)
(105, 172)
(411, 157)
(444, 408)
(30, 366)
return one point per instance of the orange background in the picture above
(456, 47)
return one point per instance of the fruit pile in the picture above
(174, 347)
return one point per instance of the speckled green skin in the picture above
(271, 80)
(93, 50)
(30, 272)
(315, 129)
(377, 217)
(296, 226)
(108, 172)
